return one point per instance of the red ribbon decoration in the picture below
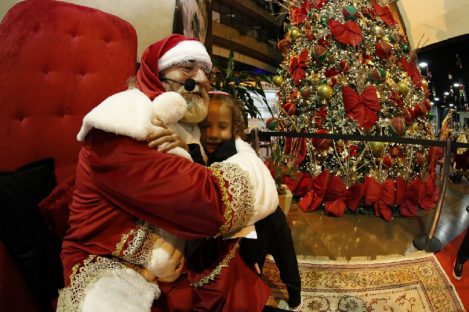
(298, 66)
(362, 108)
(409, 207)
(298, 15)
(384, 13)
(313, 199)
(338, 197)
(428, 195)
(381, 196)
(304, 185)
(347, 33)
(412, 70)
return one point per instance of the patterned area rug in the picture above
(413, 283)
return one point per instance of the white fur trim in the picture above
(167, 256)
(129, 113)
(262, 183)
(122, 290)
(185, 51)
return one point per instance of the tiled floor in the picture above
(316, 234)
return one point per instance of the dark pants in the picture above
(463, 252)
(274, 237)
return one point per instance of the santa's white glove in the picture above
(167, 258)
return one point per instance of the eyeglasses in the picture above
(191, 67)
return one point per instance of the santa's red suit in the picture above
(133, 207)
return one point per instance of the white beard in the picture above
(197, 108)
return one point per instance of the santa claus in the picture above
(134, 206)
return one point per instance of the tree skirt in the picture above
(402, 283)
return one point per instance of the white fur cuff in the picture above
(122, 290)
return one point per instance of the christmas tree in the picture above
(346, 69)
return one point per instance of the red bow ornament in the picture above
(338, 197)
(384, 13)
(303, 184)
(409, 206)
(412, 70)
(298, 15)
(313, 199)
(347, 33)
(361, 107)
(428, 194)
(298, 65)
(381, 196)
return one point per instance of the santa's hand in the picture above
(163, 138)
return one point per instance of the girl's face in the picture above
(217, 127)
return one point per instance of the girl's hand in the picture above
(164, 139)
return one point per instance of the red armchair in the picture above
(57, 61)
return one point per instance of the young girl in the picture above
(221, 128)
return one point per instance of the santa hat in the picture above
(164, 54)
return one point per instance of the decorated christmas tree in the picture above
(346, 69)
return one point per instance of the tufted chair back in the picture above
(57, 61)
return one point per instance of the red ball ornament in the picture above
(322, 144)
(305, 92)
(383, 49)
(290, 108)
(284, 45)
(427, 105)
(408, 115)
(368, 12)
(420, 110)
(419, 159)
(387, 161)
(344, 66)
(398, 126)
(319, 53)
(378, 75)
(395, 151)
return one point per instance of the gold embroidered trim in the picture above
(139, 242)
(121, 243)
(217, 270)
(240, 206)
(228, 214)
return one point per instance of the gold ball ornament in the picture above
(424, 83)
(277, 80)
(403, 87)
(325, 91)
(378, 31)
(294, 33)
(377, 148)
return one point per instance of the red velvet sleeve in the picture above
(168, 191)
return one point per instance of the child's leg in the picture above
(254, 251)
(282, 249)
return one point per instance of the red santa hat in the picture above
(164, 54)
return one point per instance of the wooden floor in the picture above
(316, 234)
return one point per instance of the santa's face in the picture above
(197, 99)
